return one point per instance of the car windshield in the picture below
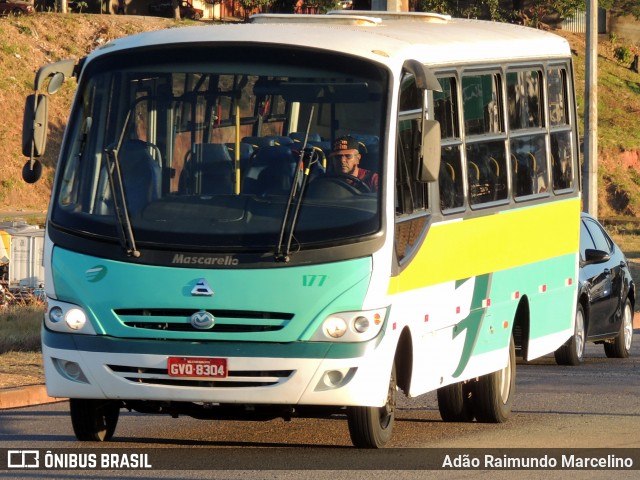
(202, 145)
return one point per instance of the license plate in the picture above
(195, 367)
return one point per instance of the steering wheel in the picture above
(352, 181)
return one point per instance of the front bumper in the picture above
(298, 373)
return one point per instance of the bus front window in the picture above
(206, 155)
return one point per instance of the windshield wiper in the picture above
(125, 230)
(308, 157)
(300, 180)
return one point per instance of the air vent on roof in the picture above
(361, 19)
(415, 16)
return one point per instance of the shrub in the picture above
(623, 55)
(20, 328)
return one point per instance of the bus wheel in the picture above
(371, 427)
(572, 352)
(94, 420)
(621, 345)
(492, 393)
(454, 403)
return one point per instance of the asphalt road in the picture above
(557, 412)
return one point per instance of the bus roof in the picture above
(388, 38)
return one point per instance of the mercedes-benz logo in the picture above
(202, 320)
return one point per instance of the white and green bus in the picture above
(207, 255)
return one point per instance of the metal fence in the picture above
(577, 23)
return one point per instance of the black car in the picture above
(163, 8)
(606, 297)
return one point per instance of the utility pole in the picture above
(590, 166)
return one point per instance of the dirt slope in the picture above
(26, 43)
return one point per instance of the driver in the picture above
(346, 159)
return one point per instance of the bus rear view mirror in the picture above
(55, 83)
(32, 171)
(34, 126)
(429, 165)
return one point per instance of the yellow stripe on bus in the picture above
(461, 249)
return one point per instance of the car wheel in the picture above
(371, 427)
(621, 345)
(17, 12)
(572, 352)
(94, 420)
(492, 394)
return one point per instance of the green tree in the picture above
(530, 12)
(490, 9)
(622, 7)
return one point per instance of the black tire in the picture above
(572, 352)
(493, 393)
(94, 420)
(621, 345)
(455, 404)
(371, 427)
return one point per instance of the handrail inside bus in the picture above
(416, 16)
(362, 19)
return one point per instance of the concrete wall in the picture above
(627, 28)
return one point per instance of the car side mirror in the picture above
(593, 255)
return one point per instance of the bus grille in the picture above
(235, 379)
(226, 321)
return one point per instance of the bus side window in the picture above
(485, 159)
(451, 179)
(487, 172)
(412, 204)
(561, 147)
(528, 150)
(561, 161)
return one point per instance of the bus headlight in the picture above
(335, 327)
(67, 318)
(358, 326)
(75, 319)
(361, 324)
(56, 315)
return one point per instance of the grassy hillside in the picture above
(28, 42)
(618, 129)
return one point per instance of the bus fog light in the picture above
(56, 315)
(70, 370)
(332, 379)
(335, 327)
(75, 319)
(361, 324)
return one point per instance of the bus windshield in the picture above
(202, 146)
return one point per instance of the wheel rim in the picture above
(627, 329)
(386, 412)
(505, 382)
(579, 334)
